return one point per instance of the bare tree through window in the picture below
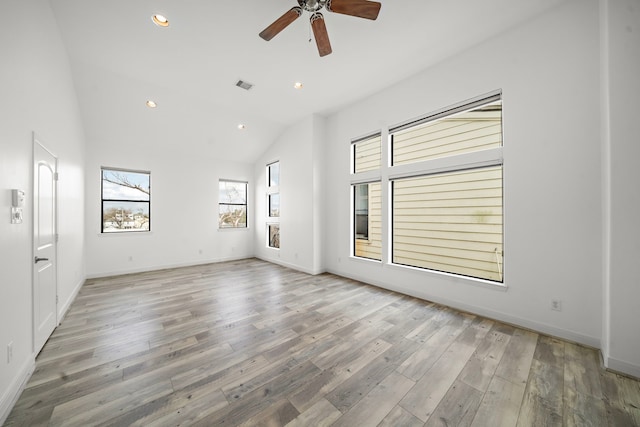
(232, 204)
(125, 200)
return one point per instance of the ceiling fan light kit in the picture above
(359, 8)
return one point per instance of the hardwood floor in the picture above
(251, 343)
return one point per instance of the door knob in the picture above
(41, 259)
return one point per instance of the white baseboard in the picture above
(491, 314)
(622, 367)
(312, 272)
(13, 392)
(165, 266)
(62, 311)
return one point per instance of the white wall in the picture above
(297, 150)
(37, 95)
(548, 71)
(621, 22)
(184, 205)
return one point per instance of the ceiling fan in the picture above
(360, 8)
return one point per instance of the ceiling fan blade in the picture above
(281, 23)
(320, 33)
(360, 8)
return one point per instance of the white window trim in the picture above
(246, 204)
(388, 173)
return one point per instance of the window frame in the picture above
(269, 240)
(123, 200)
(484, 158)
(388, 173)
(357, 201)
(245, 204)
(367, 176)
(272, 192)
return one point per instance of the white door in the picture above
(44, 245)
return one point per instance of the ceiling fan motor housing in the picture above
(312, 5)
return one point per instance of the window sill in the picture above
(487, 284)
(224, 230)
(367, 260)
(125, 233)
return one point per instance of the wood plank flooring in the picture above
(248, 343)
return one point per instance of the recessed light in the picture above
(151, 104)
(297, 85)
(241, 126)
(160, 20)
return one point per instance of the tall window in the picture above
(447, 204)
(367, 208)
(368, 220)
(232, 204)
(273, 205)
(126, 200)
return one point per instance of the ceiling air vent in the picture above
(244, 85)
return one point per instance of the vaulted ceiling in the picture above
(120, 59)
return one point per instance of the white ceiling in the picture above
(120, 59)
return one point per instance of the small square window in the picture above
(273, 174)
(274, 235)
(274, 205)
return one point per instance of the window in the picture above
(368, 220)
(366, 154)
(449, 134)
(362, 211)
(450, 222)
(438, 180)
(126, 199)
(274, 236)
(232, 204)
(447, 203)
(273, 173)
(366, 158)
(273, 205)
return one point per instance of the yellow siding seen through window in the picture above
(371, 246)
(367, 154)
(461, 133)
(450, 222)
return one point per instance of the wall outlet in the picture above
(10, 352)
(556, 305)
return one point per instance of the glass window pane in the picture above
(274, 174)
(274, 235)
(233, 216)
(124, 185)
(125, 200)
(450, 222)
(368, 220)
(367, 154)
(232, 204)
(233, 192)
(464, 132)
(125, 216)
(274, 205)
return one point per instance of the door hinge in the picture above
(56, 299)
(57, 237)
(56, 176)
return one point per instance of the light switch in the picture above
(16, 215)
